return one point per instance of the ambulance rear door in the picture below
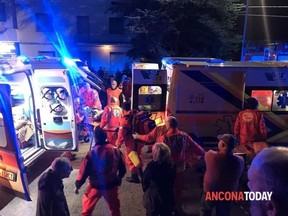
(55, 110)
(12, 171)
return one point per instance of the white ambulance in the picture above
(205, 94)
(36, 114)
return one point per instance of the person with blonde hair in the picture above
(158, 181)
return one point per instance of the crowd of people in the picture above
(116, 144)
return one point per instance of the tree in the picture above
(198, 28)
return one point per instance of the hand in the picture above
(135, 136)
(76, 191)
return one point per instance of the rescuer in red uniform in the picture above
(110, 120)
(90, 97)
(250, 128)
(114, 91)
(181, 145)
(127, 88)
(125, 137)
(104, 165)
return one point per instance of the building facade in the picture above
(82, 29)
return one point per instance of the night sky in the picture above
(277, 27)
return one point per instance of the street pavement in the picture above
(130, 194)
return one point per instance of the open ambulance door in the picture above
(91, 78)
(12, 171)
(55, 109)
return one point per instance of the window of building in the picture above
(3, 17)
(83, 24)
(83, 28)
(44, 22)
(116, 25)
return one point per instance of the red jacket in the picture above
(125, 130)
(104, 165)
(250, 127)
(91, 99)
(111, 117)
(113, 93)
(179, 142)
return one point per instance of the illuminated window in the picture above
(44, 22)
(149, 98)
(116, 25)
(264, 98)
(3, 17)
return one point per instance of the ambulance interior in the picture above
(271, 100)
(22, 111)
(149, 98)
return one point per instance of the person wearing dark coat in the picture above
(51, 199)
(157, 183)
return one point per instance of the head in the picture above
(113, 100)
(227, 142)
(100, 136)
(62, 167)
(171, 122)
(268, 172)
(251, 103)
(161, 153)
(113, 84)
(87, 86)
(111, 78)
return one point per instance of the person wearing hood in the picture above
(51, 199)
(105, 167)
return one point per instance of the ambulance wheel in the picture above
(86, 139)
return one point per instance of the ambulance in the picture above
(36, 113)
(206, 94)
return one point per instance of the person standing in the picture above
(114, 91)
(223, 171)
(104, 165)
(158, 182)
(90, 97)
(51, 200)
(125, 137)
(268, 174)
(181, 146)
(110, 120)
(250, 127)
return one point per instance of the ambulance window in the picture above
(264, 98)
(149, 98)
(3, 141)
(280, 100)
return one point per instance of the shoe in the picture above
(133, 179)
